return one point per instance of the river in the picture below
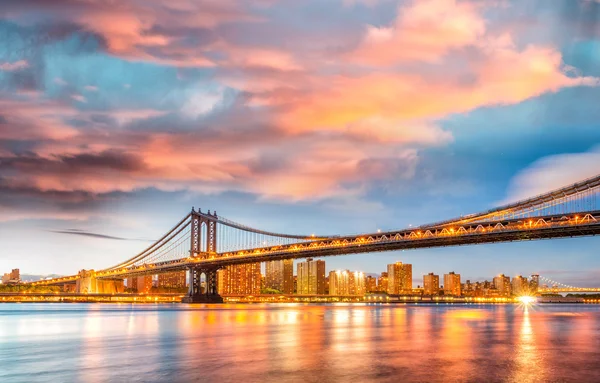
(299, 343)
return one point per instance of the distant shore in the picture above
(176, 298)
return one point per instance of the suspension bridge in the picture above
(203, 242)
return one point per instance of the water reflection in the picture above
(94, 343)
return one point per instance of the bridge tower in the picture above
(203, 241)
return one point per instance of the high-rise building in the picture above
(344, 282)
(279, 275)
(371, 284)
(519, 285)
(239, 279)
(502, 284)
(174, 280)
(452, 284)
(431, 284)
(311, 277)
(534, 283)
(358, 284)
(338, 282)
(399, 278)
(382, 283)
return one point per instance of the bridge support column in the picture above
(195, 293)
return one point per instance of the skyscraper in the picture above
(338, 282)
(399, 278)
(534, 283)
(371, 284)
(452, 284)
(520, 285)
(239, 279)
(279, 275)
(311, 277)
(502, 284)
(382, 283)
(431, 284)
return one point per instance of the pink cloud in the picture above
(424, 30)
(308, 123)
(14, 66)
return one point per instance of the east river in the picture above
(299, 343)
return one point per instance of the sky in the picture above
(313, 116)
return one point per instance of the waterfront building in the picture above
(520, 285)
(382, 282)
(13, 277)
(338, 282)
(239, 279)
(502, 284)
(311, 277)
(431, 284)
(399, 278)
(371, 284)
(534, 283)
(344, 282)
(452, 284)
(279, 275)
(141, 285)
(174, 280)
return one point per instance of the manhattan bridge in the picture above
(204, 242)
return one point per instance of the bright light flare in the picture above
(526, 299)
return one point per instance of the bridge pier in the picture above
(195, 293)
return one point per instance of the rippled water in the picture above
(298, 343)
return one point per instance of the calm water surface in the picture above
(298, 343)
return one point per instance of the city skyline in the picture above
(108, 136)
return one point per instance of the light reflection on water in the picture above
(308, 343)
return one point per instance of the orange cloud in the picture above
(424, 30)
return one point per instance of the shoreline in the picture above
(291, 299)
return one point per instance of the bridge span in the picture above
(203, 242)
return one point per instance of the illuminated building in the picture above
(338, 282)
(431, 284)
(358, 285)
(534, 283)
(520, 285)
(174, 280)
(279, 275)
(239, 279)
(382, 283)
(502, 284)
(13, 277)
(311, 277)
(452, 284)
(141, 285)
(371, 284)
(399, 278)
(344, 282)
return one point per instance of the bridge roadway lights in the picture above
(195, 293)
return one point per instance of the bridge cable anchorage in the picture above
(579, 197)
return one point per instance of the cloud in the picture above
(553, 172)
(424, 30)
(215, 97)
(95, 235)
(14, 66)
